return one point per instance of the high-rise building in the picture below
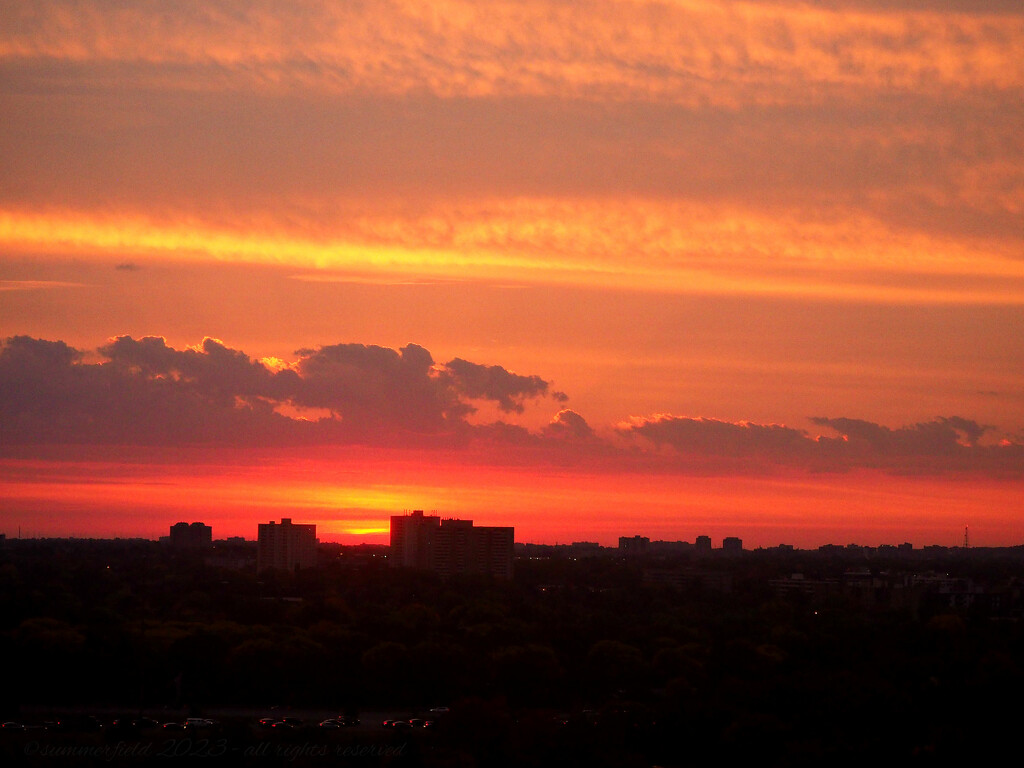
(449, 546)
(194, 536)
(702, 545)
(634, 545)
(411, 537)
(732, 544)
(286, 546)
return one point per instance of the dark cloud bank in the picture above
(938, 446)
(146, 392)
(143, 392)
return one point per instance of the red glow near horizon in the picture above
(354, 504)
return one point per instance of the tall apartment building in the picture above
(634, 545)
(449, 547)
(411, 537)
(286, 546)
(732, 544)
(194, 536)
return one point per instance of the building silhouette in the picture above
(411, 537)
(285, 546)
(194, 536)
(634, 545)
(702, 545)
(732, 544)
(449, 546)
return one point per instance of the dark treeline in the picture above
(571, 663)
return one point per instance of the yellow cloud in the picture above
(673, 246)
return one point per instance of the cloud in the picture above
(675, 245)
(568, 425)
(39, 380)
(147, 392)
(144, 393)
(720, 438)
(221, 374)
(492, 382)
(37, 356)
(688, 52)
(945, 444)
(875, 135)
(370, 387)
(943, 436)
(35, 285)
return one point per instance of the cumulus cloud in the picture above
(34, 374)
(219, 373)
(145, 391)
(36, 356)
(492, 382)
(567, 424)
(370, 387)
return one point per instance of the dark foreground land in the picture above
(670, 660)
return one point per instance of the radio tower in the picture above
(967, 539)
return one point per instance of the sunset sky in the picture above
(590, 269)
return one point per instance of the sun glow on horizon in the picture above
(332, 529)
(543, 505)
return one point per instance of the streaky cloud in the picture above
(36, 285)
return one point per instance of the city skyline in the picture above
(741, 268)
(199, 535)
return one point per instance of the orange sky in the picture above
(695, 220)
(350, 496)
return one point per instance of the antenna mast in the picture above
(967, 539)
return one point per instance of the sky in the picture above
(591, 269)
